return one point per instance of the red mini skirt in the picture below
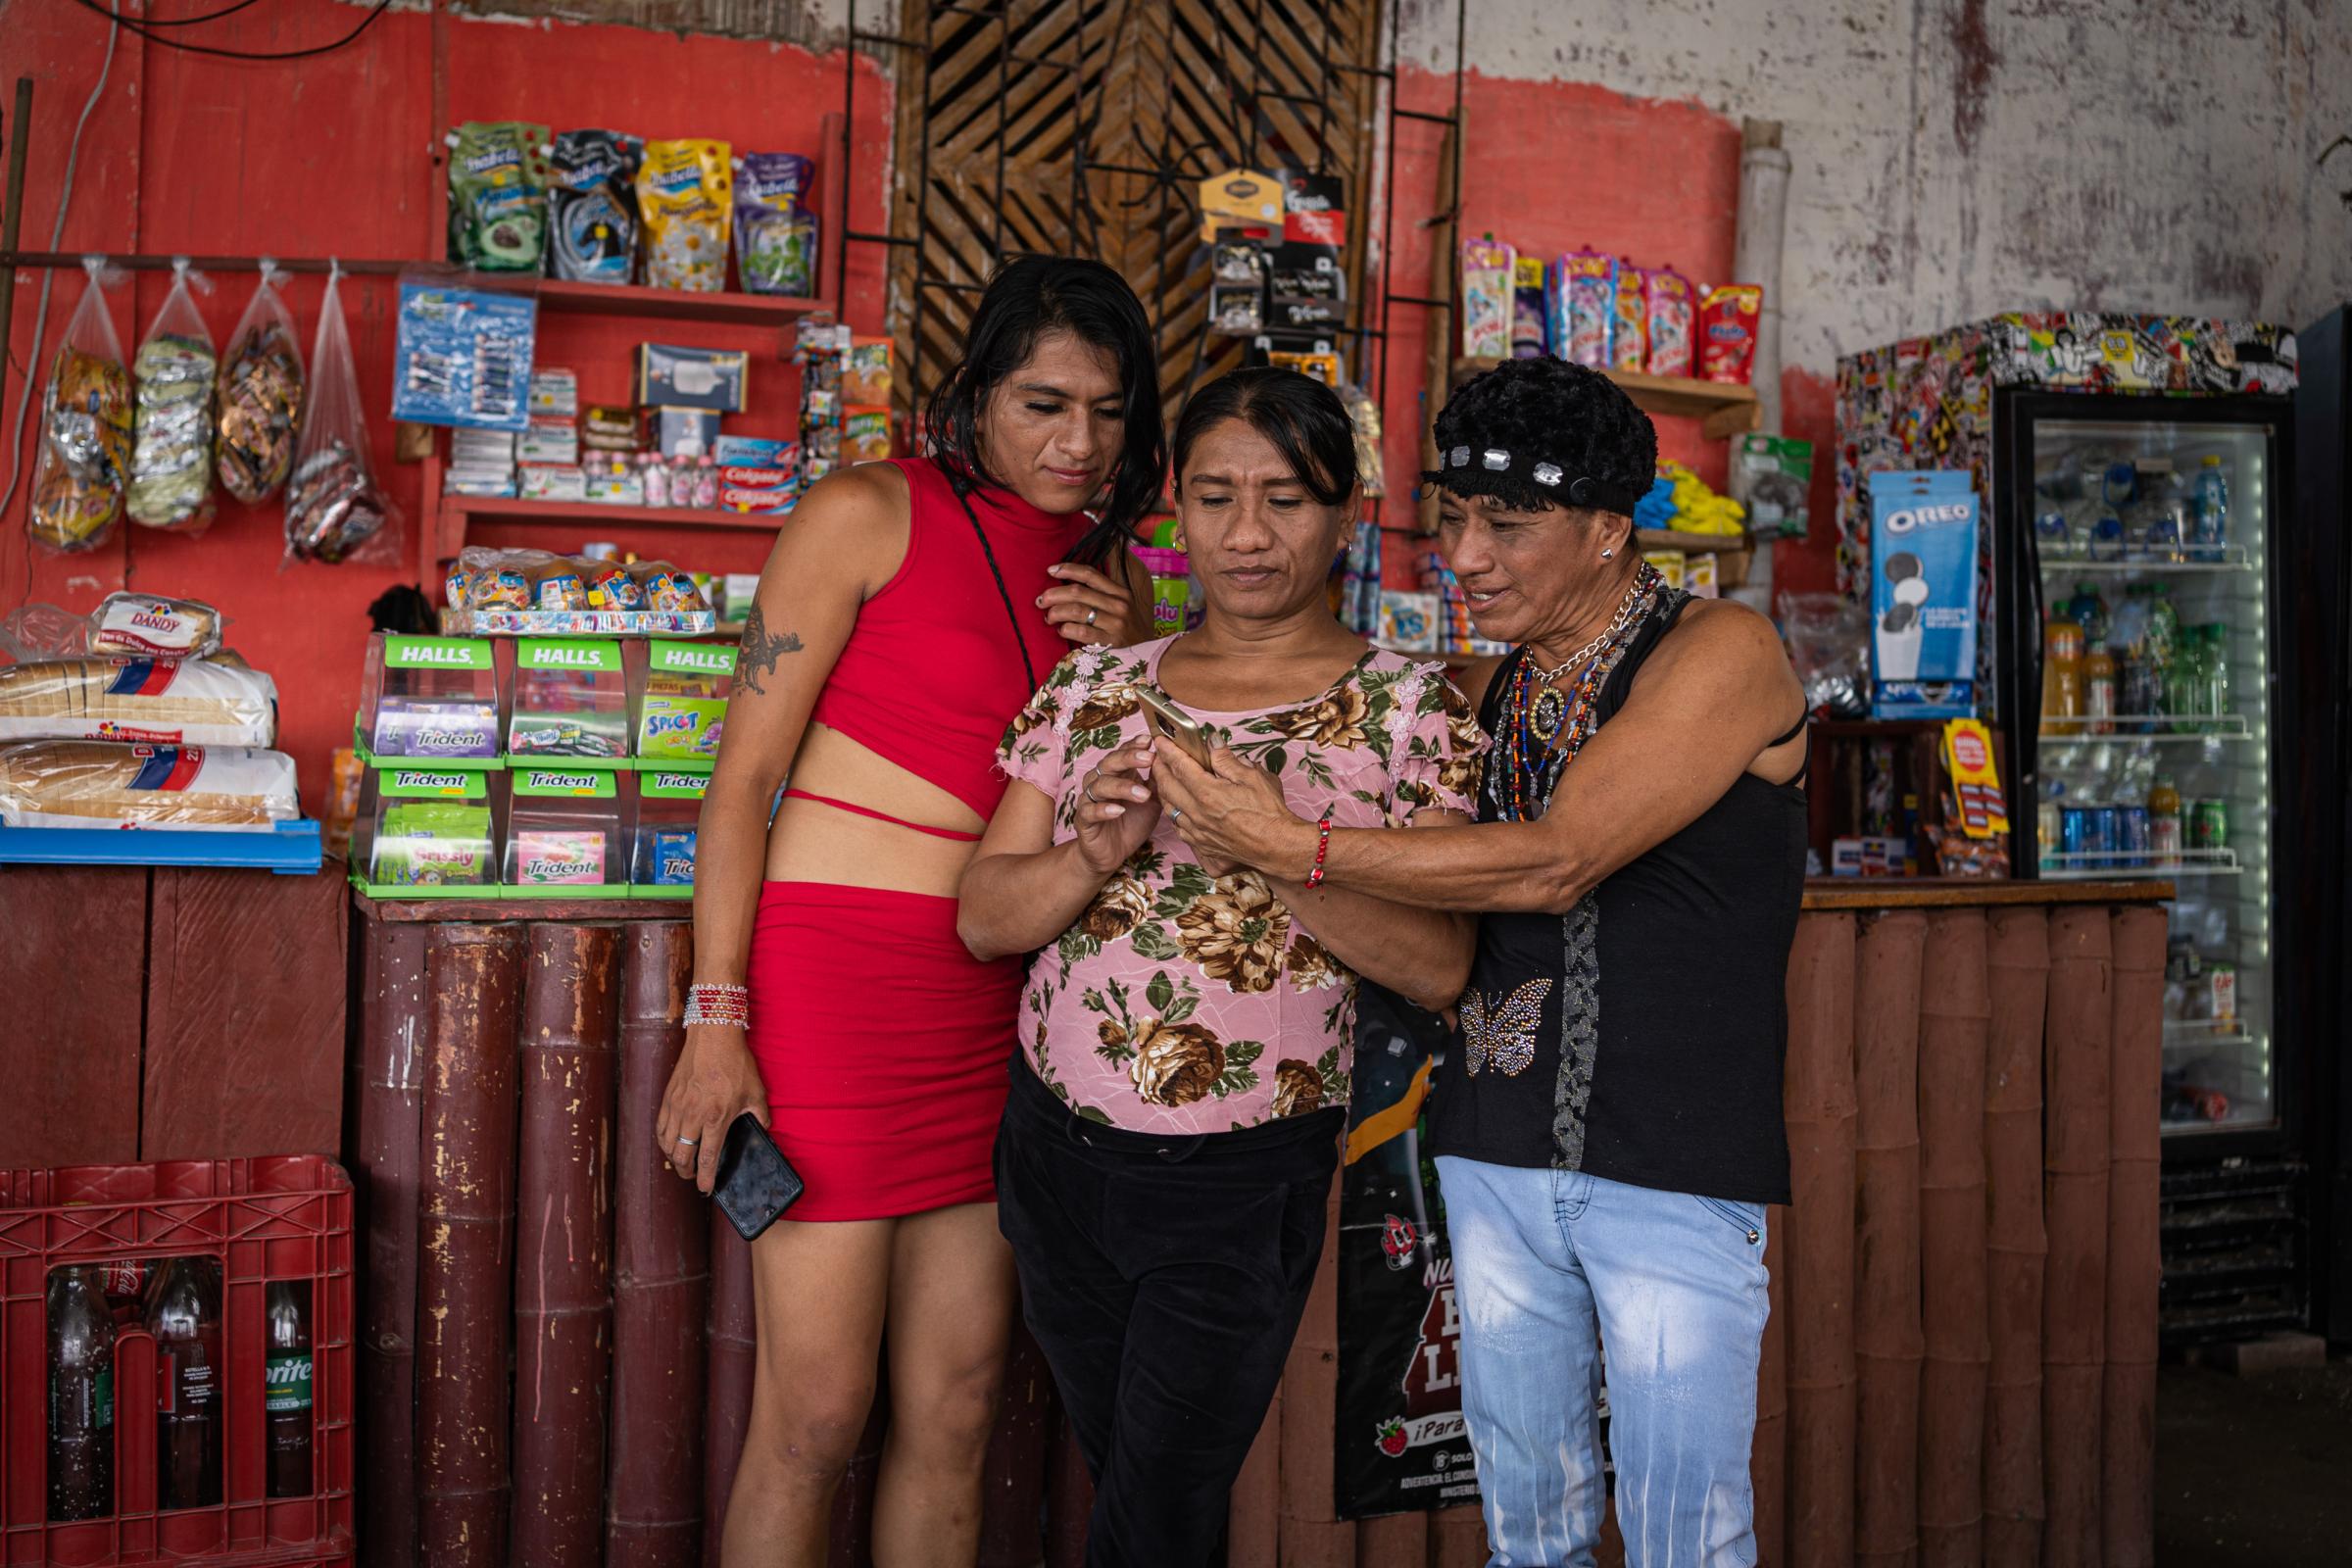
(884, 1047)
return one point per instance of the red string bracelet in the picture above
(1322, 848)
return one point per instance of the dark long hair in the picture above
(1301, 418)
(1029, 298)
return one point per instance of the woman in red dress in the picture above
(907, 612)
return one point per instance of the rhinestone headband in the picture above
(1580, 492)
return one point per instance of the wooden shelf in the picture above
(1873, 728)
(510, 510)
(676, 305)
(1722, 409)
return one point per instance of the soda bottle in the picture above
(2209, 529)
(2062, 677)
(286, 1395)
(2088, 611)
(2184, 691)
(2164, 625)
(81, 1397)
(184, 1313)
(2098, 687)
(2215, 638)
(2163, 821)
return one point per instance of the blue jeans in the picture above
(1551, 1266)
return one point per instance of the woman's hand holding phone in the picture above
(1118, 809)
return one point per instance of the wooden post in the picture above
(1955, 1022)
(1439, 335)
(394, 1022)
(660, 1278)
(734, 1356)
(2017, 967)
(1886, 1332)
(1069, 1502)
(1767, 1456)
(1014, 1503)
(466, 1238)
(563, 1256)
(1312, 1533)
(1254, 1523)
(1457, 1538)
(1819, 1100)
(2135, 1263)
(2080, 1063)
(1392, 1541)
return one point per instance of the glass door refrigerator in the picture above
(2146, 596)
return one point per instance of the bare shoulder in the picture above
(864, 495)
(852, 526)
(1723, 650)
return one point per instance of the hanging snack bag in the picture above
(261, 395)
(497, 175)
(1584, 304)
(171, 447)
(335, 511)
(85, 429)
(684, 197)
(592, 203)
(1726, 332)
(775, 231)
(865, 372)
(1672, 316)
(1629, 320)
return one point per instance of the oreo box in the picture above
(1923, 594)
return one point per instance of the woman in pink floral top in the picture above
(1172, 1129)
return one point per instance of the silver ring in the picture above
(689, 1142)
(1175, 814)
(1089, 791)
(1090, 618)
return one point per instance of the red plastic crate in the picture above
(281, 1219)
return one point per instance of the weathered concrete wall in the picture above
(1959, 157)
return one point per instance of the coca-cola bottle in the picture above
(81, 1398)
(288, 1394)
(184, 1313)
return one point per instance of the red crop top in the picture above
(930, 675)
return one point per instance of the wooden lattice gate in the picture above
(1080, 127)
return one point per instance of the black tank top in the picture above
(1640, 1037)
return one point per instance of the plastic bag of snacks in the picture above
(335, 511)
(1672, 313)
(593, 221)
(498, 195)
(261, 395)
(1828, 644)
(684, 198)
(145, 626)
(775, 233)
(172, 446)
(1726, 332)
(85, 429)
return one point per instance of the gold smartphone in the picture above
(1173, 724)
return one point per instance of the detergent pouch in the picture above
(498, 176)
(775, 231)
(593, 209)
(1488, 286)
(1671, 316)
(1583, 293)
(1923, 600)
(85, 429)
(685, 195)
(171, 447)
(1726, 332)
(1528, 329)
(1629, 320)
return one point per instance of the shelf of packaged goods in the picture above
(2061, 566)
(2207, 1034)
(514, 510)
(1722, 408)
(2228, 729)
(2102, 866)
(676, 305)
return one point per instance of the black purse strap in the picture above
(1012, 615)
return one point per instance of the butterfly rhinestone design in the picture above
(1502, 1029)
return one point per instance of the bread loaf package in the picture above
(191, 701)
(142, 623)
(92, 784)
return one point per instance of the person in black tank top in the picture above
(1607, 1124)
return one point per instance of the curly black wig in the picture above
(1547, 412)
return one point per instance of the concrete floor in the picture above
(2254, 1471)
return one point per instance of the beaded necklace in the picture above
(1543, 728)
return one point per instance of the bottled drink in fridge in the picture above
(2163, 821)
(2215, 637)
(2088, 610)
(81, 1397)
(2062, 677)
(2209, 534)
(2184, 689)
(184, 1313)
(2164, 625)
(2098, 689)
(286, 1398)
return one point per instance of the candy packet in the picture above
(592, 205)
(335, 511)
(775, 230)
(261, 395)
(171, 429)
(1629, 320)
(1726, 332)
(85, 428)
(684, 201)
(1670, 315)
(1584, 304)
(497, 175)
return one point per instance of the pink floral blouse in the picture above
(1182, 1002)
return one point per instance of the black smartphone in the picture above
(756, 1184)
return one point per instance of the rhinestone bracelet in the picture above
(730, 1006)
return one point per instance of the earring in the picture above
(1606, 554)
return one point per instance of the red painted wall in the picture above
(332, 156)
(1554, 166)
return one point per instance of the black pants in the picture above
(1163, 1277)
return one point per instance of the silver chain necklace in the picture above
(1617, 624)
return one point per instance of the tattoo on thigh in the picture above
(761, 648)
